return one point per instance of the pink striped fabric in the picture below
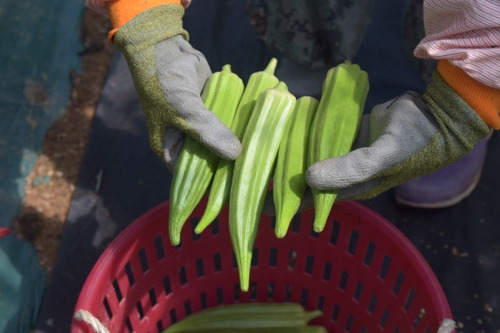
(467, 33)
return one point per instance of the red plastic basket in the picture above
(361, 271)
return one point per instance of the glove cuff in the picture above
(453, 114)
(150, 27)
(122, 11)
(485, 100)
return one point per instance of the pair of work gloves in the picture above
(406, 137)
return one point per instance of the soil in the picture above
(51, 183)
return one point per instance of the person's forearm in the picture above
(465, 37)
(467, 34)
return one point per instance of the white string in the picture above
(87, 317)
(447, 326)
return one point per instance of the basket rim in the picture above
(98, 278)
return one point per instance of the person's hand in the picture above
(169, 75)
(406, 137)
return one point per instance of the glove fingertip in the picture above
(315, 176)
(225, 146)
(232, 150)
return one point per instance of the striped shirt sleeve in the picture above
(467, 34)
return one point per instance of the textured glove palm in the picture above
(409, 136)
(169, 75)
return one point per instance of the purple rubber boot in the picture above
(447, 186)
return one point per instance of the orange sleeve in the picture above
(122, 11)
(482, 98)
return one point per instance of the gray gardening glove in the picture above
(169, 75)
(409, 136)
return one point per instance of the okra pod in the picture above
(335, 126)
(289, 183)
(221, 185)
(253, 170)
(196, 164)
(241, 316)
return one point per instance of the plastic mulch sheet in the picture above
(40, 41)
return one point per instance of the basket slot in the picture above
(173, 316)
(167, 287)
(217, 262)
(370, 250)
(187, 307)
(273, 257)
(344, 278)
(118, 292)
(358, 291)
(182, 275)
(140, 311)
(159, 326)
(255, 256)
(305, 297)
(220, 295)
(292, 258)
(214, 227)
(200, 267)
(130, 274)
(321, 302)
(108, 309)
(327, 271)
(398, 283)
(152, 297)
(288, 293)
(353, 242)
(255, 288)
(203, 300)
(160, 247)
(348, 324)
(309, 265)
(372, 304)
(384, 268)
(236, 292)
(384, 318)
(143, 258)
(335, 313)
(334, 235)
(270, 291)
(233, 261)
(295, 224)
(419, 319)
(130, 329)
